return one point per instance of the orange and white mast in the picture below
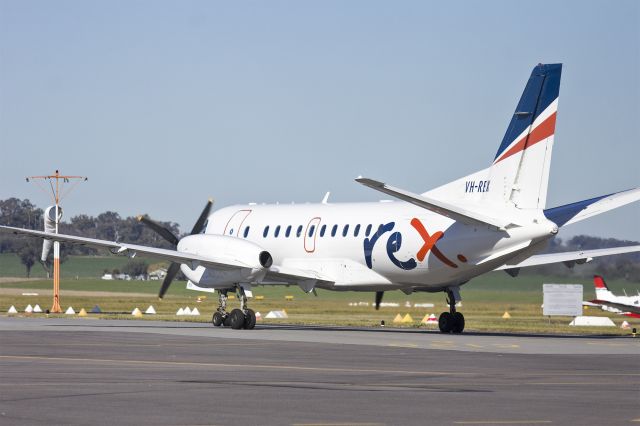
(57, 194)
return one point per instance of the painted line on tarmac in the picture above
(242, 366)
(504, 422)
(337, 424)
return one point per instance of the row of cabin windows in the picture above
(312, 229)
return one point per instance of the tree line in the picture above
(110, 226)
(106, 226)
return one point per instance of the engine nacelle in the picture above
(221, 248)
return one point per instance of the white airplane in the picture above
(494, 219)
(625, 305)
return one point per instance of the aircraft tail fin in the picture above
(519, 173)
(602, 290)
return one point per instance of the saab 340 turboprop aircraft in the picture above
(494, 219)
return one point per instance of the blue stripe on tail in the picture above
(542, 88)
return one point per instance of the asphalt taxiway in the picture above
(88, 371)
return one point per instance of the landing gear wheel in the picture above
(217, 319)
(250, 319)
(236, 319)
(446, 322)
(226, 320)
(458, 323)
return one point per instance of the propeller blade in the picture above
(379, 295)
(198, 227)
(159, 229)
(171, 274)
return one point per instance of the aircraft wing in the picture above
(621, 306)
(130, 249)
(570, 257)
(445, 209)
(275, 274)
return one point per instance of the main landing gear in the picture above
(452, 321)
(237, 318)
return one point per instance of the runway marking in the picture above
(337, 424)
(471, 345)
(607, 344)
(503, 422)
(504, 346)
(403, 345)
(242, 366)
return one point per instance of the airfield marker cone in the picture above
(69, 311)
(397, 319)
(12, 310)
(82, 313)
(37, 309)
(407, 319)
(506, 315)
(28, 309)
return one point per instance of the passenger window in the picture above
(367, 231)
(246, 232)
(277, 231)
(356, 231)
(322, 230)
(311, 229)
(345, 230)
(334, 230)
(299, 231)
(288, 231)
(266, 231)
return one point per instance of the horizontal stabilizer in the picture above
(575, 212)
(570, 257)
(443, 208)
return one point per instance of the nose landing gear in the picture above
(452, 321)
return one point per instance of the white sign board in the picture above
(562, 299)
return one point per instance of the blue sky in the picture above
(166, 103)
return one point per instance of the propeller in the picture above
(379, 295)
(165, 233)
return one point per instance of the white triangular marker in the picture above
(70, 311)
(37, 309)
(187, 311)
(136, 311)
(12, 310)
(195, 312)
(29, 309)
(150, 310)
(180, 312)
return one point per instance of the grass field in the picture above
(484, 302)
(75, 266)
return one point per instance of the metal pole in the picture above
(56, 309)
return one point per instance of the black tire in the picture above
(458, 323)
(250, 319)
(236, 319)
(445, 322)
(226, 320)
(217, 319)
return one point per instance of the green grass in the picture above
(75, 266)
(484, 301)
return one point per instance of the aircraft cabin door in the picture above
(310, 235)
(234, 225)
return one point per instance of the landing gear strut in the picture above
(237, 318)
(452, 321)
